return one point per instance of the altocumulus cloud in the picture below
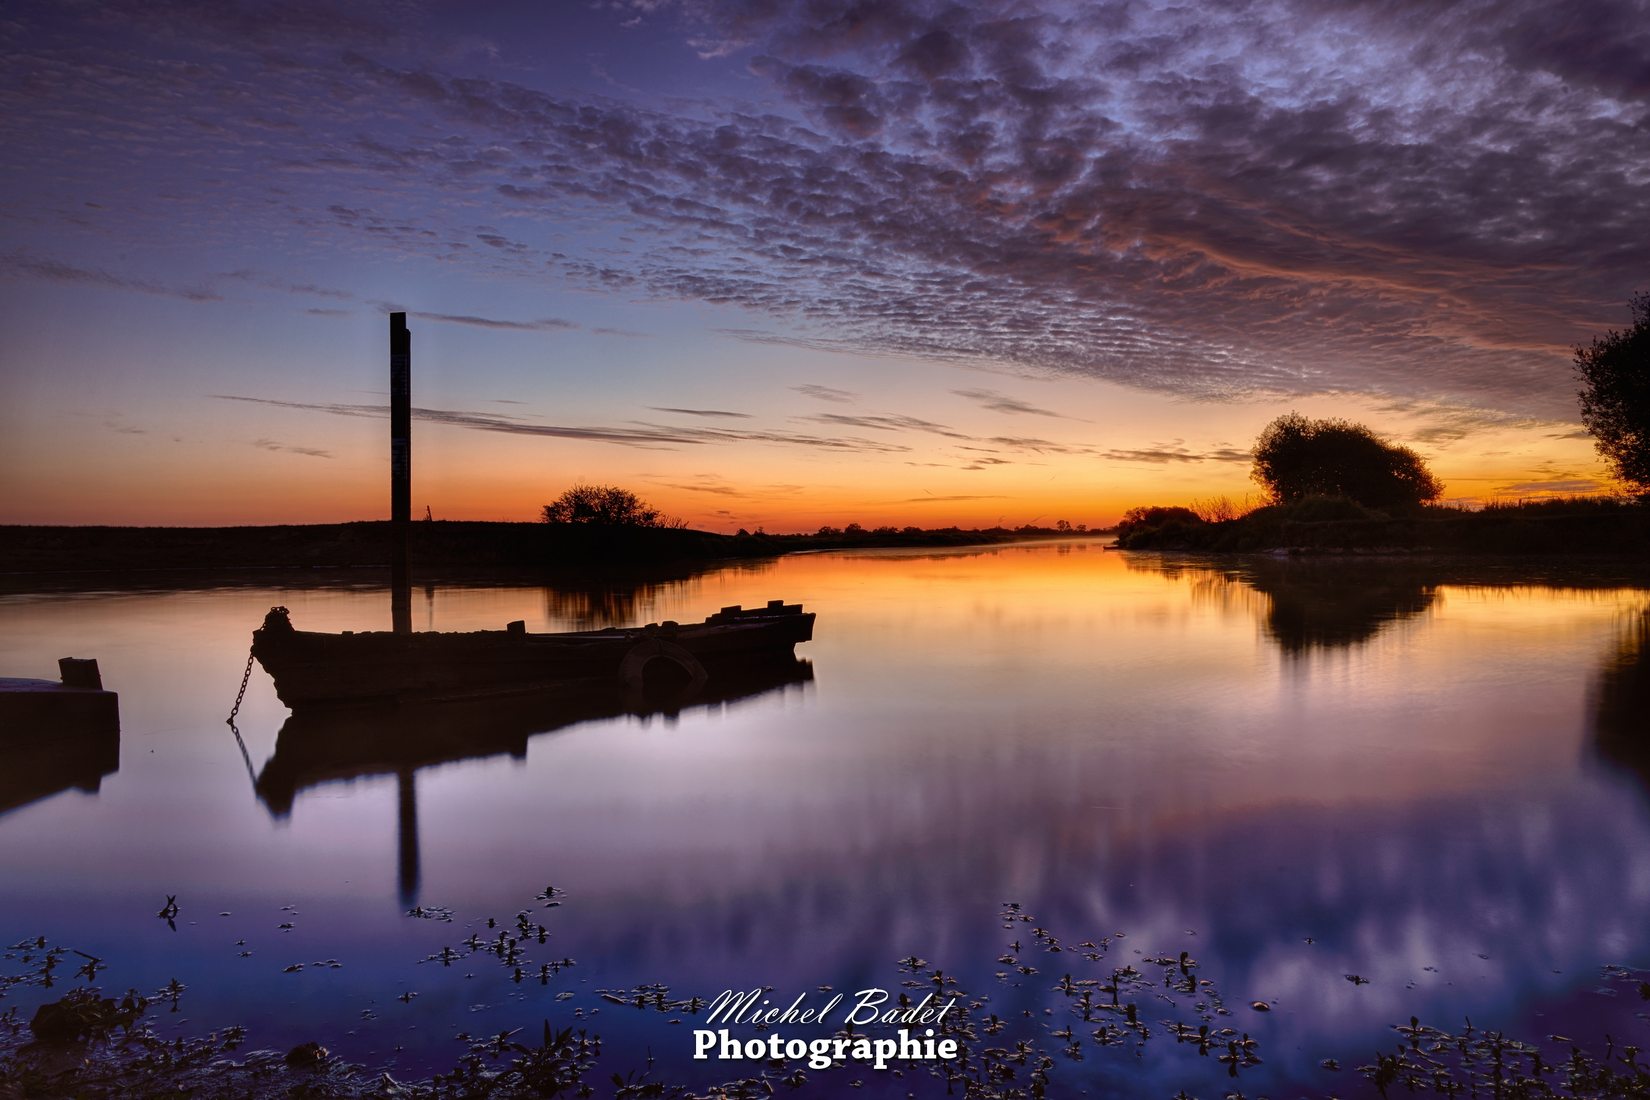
(1292, 196)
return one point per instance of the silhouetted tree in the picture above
(605, 505)
(1615, 395)
(1296, 457)
(1156, 526)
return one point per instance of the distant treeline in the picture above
(444, 545)
(1578, 525)
(853, 535)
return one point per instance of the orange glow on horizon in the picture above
(234, 469)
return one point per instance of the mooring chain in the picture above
(241, 694)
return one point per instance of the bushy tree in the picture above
(1615, 395)
(604, 505)
(1298, 457)
(1156, 526)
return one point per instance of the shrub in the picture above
(1157, 525)
(1296, 457)
(602, 505)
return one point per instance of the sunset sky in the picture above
(781, 265)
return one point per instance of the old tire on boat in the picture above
(633, 669)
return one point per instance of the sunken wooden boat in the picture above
(313, 670)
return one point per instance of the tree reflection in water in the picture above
(1621, 700)
(1315, 603)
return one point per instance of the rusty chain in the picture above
(241, 694)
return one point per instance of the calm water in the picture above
(1294, 771)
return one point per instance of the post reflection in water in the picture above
(406, 833)
(348, 743)
(1294, 770)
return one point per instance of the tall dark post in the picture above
(400, 470)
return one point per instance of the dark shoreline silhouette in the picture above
(1579, 528)
(29, 555)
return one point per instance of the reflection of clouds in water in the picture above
(1546, 884)
(1072, 731)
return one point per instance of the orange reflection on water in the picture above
(1394, 759)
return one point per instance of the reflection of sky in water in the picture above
(1226, 761)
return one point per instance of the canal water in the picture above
(1354, 792)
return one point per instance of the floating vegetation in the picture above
(431, 912)
(1053, 1015)
(1478, 1062)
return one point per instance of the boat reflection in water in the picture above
(345, 743)
(38, 769)
(56, 735)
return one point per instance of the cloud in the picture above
(635, 435)
(1442, 425)
(997, 402)
(273, 282)
(718, 490)
(1553, 486)
(887, 424)
(716, 485)
(947, 499)
(272, 445)
(34, 267)
(985, 457)
(547, 324)
(702, 412)
(1163, 455)
(1287, 197)
(826, 393)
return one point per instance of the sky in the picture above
(781, 265)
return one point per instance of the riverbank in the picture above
(1582, 527)
(441, 546)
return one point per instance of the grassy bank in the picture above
(1588, 526)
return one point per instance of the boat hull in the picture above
(313, 669)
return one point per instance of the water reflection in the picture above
(1315, 603)
(624, 601)
(1621, 700)
(349, 743)
(1234, 759)
(37, 768)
